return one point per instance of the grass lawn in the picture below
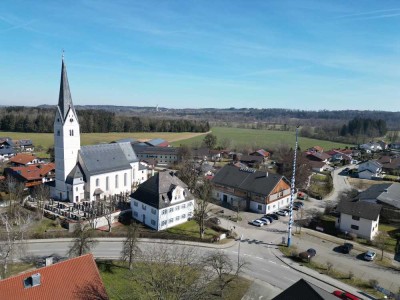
(115, 277)
(191, 228)
(16, 268)
(261, 138)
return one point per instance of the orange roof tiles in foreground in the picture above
(76, 278)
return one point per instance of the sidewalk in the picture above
(318, 276)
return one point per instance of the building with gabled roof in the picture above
(158, 143)
(258, 191)
(75, 278)
(24, 159)
(89, 172)
(303, 289)
(359, 217)
(162, 201)
(32, 175)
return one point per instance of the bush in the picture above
(352, 236)
(373, 283)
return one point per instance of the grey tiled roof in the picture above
(75, 176)
(104, 158)
(155, 150)
(64, 98)
(391, 195)
(156, 190)
(362, 209)
(303, 289)
(373, 192)
(257, 182)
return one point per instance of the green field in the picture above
(254, 138)
(238, 137)
(46, 140)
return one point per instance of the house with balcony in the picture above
(253, 190)
(369, 169)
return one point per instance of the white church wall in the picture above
(112, 188)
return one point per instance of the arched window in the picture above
(107, 184)
(97, 182)
(116, 181)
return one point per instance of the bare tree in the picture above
(380, 241)
(15, 190)
(41, 193)
(13, 229)
(202, 208)
(171, 273)
(84, 240)
(189, 174)
(130, 249)
(224, 270)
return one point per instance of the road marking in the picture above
(259, 257)
(283, 266)
(272, 262)
(290, 279)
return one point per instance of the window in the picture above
(190, 204)
(171, 220)
(76, 188)
(171, 209)
(153, 222)
(143, 207)
(259, 207)
(177, 218)
(153, 211)
(135, 213)
(355, 218)
(125, 179)
(177, 207)
(116, 181)
(355, 227)
(164, 211)
(163, 223)
(183, 216)
(190, 214)
(97, 182)
(107, 183)
(135, 203)
(183, 205)
(58, 132)
(71, 132)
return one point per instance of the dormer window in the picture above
(71, 120)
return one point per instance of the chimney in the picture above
(31, 281)
(49, 261)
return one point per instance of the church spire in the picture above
(64, 99)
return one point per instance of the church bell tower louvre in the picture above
(66, 137)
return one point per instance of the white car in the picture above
(265, 221)
(369, 255)
(282, 213)
(258, 223)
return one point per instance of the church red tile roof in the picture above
(76, 278)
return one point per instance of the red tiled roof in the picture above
(33, 172)
(23, 158)
(76, 278)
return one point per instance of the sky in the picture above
(299, 54)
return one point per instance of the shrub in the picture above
(352, 236)
(373, 283)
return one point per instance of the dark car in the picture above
(298, 203)
(269, 218)
(312, 252)
(346, 247)
(273, 216)
(215, 220)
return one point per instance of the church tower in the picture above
(67, 141)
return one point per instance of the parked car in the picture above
(298, 203)
(265, 221)
(273, 216)
(369, 255)
(269, 218)
(257, 223)
(345, 295)
(215, 220)
(287, 210)
(282, 213)
(346, 247)
(312, 252)
(296, 207)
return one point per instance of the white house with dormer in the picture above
(163, 201)
(88, 172)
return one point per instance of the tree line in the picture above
(364, 127)
(25, 119)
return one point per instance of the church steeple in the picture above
(64, 98)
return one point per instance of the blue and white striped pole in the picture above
(292, 191)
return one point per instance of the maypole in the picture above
(292, 190)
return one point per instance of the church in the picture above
(88, 172)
